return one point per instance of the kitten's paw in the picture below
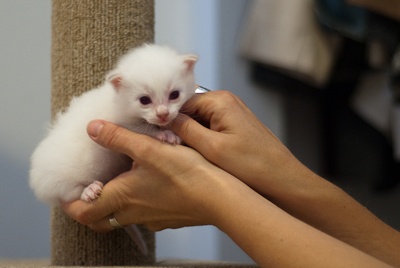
(92, 192)
(169, 136)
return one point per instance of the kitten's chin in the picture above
(160, 122)
(163, 123)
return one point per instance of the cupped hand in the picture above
(239, 143)
(167, 187)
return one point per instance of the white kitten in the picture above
(145, 91)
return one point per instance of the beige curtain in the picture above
(284, 34)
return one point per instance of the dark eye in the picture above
(174, 95)
(145, 100)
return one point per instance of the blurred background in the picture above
(327, 91)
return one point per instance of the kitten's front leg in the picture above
(92, 192)
(168, 136)
(163, 135)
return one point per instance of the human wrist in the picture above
(206, 196)
(233, 197)
(300, 189)
(277, 182)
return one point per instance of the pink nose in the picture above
(163, 115)
(162, 111)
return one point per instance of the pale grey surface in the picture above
(24, 110)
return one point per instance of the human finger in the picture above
(193, 133)
(103, 225)
(212, 105)
(93, 213)
(89, 214)
(223, 112)
(82, 211)
(119, 139)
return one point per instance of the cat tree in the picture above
(87, 39)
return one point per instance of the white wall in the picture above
(206, 27)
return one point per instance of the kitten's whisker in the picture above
(141, 126)
(180, 118)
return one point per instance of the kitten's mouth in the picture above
(160, 123)
(163, 122)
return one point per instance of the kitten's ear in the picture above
(115, 78)
(190, 60)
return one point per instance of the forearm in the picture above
(329, 209)
(244, 147)
(273, 238)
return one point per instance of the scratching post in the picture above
(88, 37)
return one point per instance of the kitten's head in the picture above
(153, 82)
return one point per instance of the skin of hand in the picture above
(239, 143)
(236, 141)
(174, 186)
(171, 184)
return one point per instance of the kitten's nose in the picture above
(163, 115)
(162, 112)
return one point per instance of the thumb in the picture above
(119, 139)
(193, 133)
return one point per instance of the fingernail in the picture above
(94, 128)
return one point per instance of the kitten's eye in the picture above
(174, 95)
(145, 100)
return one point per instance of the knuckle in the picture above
(226, 100)
(97, 228)
(124, 141)
(111, 137)
(145, 150)
(117, 139)
(215, 147)
(83, 217)
(229, 98)
(226, 95)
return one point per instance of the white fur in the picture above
(67, 160)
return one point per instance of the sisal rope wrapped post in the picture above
(88, 37)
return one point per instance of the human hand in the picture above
(167, 187)
(239, 143)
